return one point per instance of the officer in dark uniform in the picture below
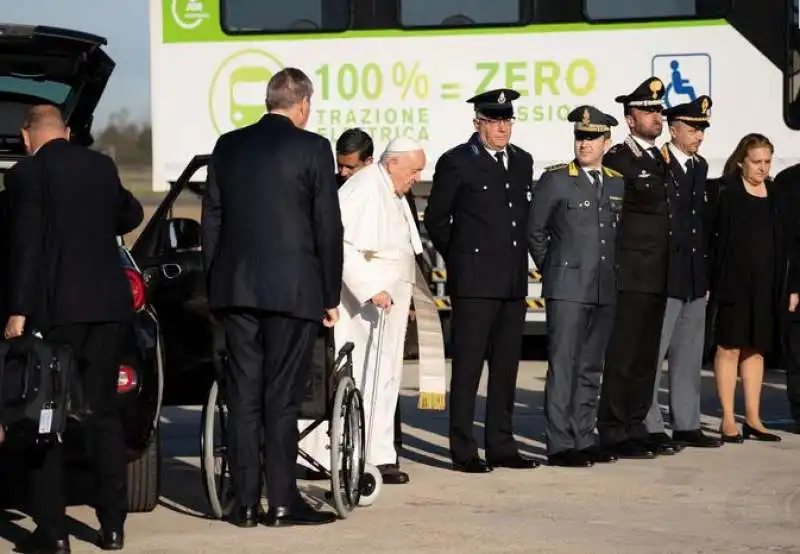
(683, 330)
(476, 218)
(642, 265)
(572, 237)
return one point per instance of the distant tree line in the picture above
(128, 142)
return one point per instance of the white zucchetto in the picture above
(402, 144)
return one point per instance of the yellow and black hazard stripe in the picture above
(439, 275)
(534, 304)
(442, 303)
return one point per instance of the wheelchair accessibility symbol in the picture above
(685, 76)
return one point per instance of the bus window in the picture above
(627, 10)
(457, 13)
(275, 16)
(791, 90)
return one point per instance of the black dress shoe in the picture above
(475, 465)
(750, 432)
(299, 513)
(245, 516)
(392, 475)
(598, 455)
(38, 543)
(111, 539)
(632, 450)
(662, 444)
(569, 458)
(514, 462)
(696, 439)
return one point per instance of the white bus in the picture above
(407, 66)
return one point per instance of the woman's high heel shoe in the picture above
(724, 437)
(748, 432)
(738, 439)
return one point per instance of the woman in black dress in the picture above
(751, 289)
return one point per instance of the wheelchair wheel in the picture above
(213, 448)
(347, 446)
(369, 485)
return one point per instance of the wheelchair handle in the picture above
(346, 350)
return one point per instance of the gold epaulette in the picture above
(556, 166)
(610, 172)
(665, 153)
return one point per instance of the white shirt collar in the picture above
(642, 144)
(680, 156)
(493, 152)
(587, 169)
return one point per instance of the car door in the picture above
(169, 253)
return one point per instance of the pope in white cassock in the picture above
(380, 243)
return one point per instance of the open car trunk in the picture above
(41, 64)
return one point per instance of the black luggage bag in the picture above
(40, 385)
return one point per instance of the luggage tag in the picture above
(46, 418)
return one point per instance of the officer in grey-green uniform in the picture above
(571, 235)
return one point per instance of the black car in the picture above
(70, 68)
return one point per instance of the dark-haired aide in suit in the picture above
(572, 231)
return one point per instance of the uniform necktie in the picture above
(689, 165)
(499, 157)
(656, 153)
(598, 184)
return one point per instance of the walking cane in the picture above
(371, 480)
(373, 394)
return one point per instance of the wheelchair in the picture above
(330, 396)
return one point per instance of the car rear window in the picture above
(46, 90)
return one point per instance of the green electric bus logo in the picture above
(239, 88)
(189, 14)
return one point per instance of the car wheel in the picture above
(144, 477)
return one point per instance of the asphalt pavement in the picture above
(738, 498)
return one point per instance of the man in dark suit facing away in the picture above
(67, 208)
(272, 247)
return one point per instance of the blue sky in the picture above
(123, 22)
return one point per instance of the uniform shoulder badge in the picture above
(665, 153)
(611, 172)
(556, 167)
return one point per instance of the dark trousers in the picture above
(398, 432)
(630, 368)
(577, 335)
(269, 358)
(484, 328)
(97, 349)
(792, 363)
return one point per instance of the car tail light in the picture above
(137, 288)
(127, 379)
